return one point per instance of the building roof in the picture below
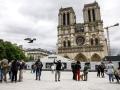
(66, 9)
(91, 4)
(38, 49)
(51, 58)
(111, 58)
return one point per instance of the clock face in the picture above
(80, 40)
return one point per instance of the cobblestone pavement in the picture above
(47, 82)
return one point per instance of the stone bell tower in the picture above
(66, 26)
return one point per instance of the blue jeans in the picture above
(38, 74)
(111, 77)
(1, 74)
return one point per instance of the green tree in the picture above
(10, 51)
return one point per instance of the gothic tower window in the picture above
(64, 19)
(91, 41)
(89, 15)
(64, 43)
(96, 41)
(93, 14)
(69, 43)
(68, 18)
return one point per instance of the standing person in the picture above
(4, 64)
(58, 69)
(53, 68)
(39, 66)
(116, 73)
(22, 66)
(73, 70)
(110, 71)
(102, 69)
(77, 70)
(14, 68)
(98, 71)
(85, 72)
(10, 72)
(1, 73)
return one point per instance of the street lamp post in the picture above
(108, 38)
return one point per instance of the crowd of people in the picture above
(76, 71)
(100, 70)
(110, 70)
(12, 68)
(15, 68)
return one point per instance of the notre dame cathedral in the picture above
(81, 41)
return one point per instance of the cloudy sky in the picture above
(39, 19)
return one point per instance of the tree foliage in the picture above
(10, 51)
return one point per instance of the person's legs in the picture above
(56, 72)
(36, 74)
(78, 75)
(15, 76)
(58, 75)
(110, 77)
(98, 73)
(117, 78)
(1, 75)
(39, 74)
(20, 76)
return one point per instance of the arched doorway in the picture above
(80, 57)
(95, 57)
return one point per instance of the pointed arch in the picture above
(80, 57)
(66, 57)
(95, 57)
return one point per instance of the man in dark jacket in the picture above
(73, 70)
(14, 69)
(58, 69)
(102, 69)
(39, 66)
(77, 70)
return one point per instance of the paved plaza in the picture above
(47, 83)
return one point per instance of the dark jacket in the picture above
(15, 66)
(77, 66)
(58, 65)
(39, 65)
(22, 66)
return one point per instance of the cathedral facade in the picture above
(81, 41)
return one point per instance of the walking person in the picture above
(98, 70)
(110, 71)
(39, 66)
(85, 72)
(14, 68)
(77, 70)
(58, 70)
(102, 69)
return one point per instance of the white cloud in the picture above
(39, 18)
